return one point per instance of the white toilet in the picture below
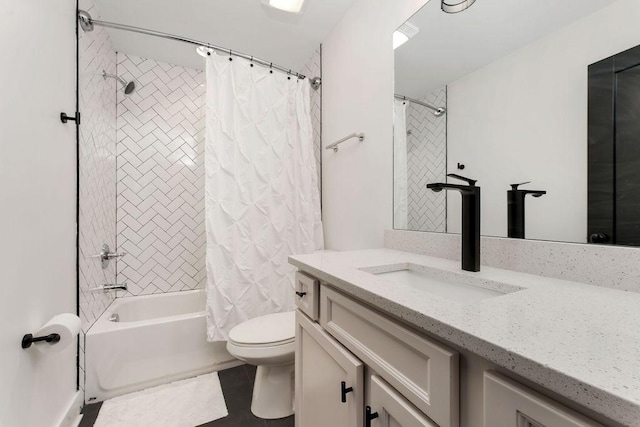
(269, 343)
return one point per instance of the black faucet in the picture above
(515, 209)
(470, 219)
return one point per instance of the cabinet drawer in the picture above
(423, 371)
(509, 404)
(307, 291)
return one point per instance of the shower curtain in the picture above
(262, 200)
(400, 198)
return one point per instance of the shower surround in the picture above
(160, 201)
(142, 175)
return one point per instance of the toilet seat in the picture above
(270, 330)
(266, 339)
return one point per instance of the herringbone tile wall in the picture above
(160, 205)
(312, 69)
(97, 170)
(426, 162)
(160, 191)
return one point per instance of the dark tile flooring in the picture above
(237, 386)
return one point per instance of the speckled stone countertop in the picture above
(580, 341)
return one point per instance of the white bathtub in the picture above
(158, 339)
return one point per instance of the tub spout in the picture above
(111, 287)
(114, 287)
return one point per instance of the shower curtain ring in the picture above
(230, 55)
(271, 68)
(289, 75)
(251, 61)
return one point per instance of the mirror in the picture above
(541, 93)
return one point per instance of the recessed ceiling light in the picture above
(204, 51)
(293, 6)
(403, 34)
(399, 39)
(455, 6)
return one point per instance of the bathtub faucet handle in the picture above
(106, 255)
(111, 255)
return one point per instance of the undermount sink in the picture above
(454, 286)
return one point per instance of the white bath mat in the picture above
(185, 403)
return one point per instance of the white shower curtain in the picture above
(262, 200)
(400, 198)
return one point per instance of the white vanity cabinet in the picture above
(356, 366)
(415, 381)
(509, 404)
(423, 371)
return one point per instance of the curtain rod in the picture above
(437, 111)
(87, 23)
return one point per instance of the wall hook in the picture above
(64, 118)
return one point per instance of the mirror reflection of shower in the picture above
(437, 111)
(127, 86)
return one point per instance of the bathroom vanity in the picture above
(391, 338)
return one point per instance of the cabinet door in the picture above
(389, 409)
(509, 404)
(329, 379)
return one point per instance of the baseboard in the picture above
(71, 416)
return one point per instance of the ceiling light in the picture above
(403, 34)
(204, 51)
(455, 6)
(293, 6)
(399, 39)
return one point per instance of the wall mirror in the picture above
(540, 92)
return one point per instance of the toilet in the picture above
(269, 343)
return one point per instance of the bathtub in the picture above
(156, 339)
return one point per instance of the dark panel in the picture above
(614, 152)
(601, 149)
(628, 157)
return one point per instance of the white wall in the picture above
(357, 82)
(524, 118)
(37, 195)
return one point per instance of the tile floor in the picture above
(237, 385)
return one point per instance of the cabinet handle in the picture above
(301, 294)
(369, 416)
(343, 391)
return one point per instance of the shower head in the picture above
(128, 86)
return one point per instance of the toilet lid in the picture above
(269, 329)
